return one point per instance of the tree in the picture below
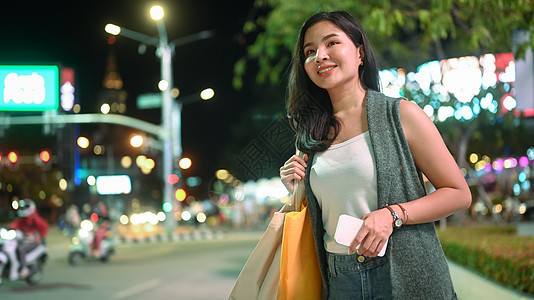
(31, 181)
(404, 33)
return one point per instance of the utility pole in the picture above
(170, 111)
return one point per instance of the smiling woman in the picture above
(366, 153)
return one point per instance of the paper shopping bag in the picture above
(300, 275)
(260, 276)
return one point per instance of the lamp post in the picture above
(164, 52)
(170, 133)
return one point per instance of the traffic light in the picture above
(173, 179)
(45, 159)
(12, 159)
(44, 156)
(167, 207)
(180, 195)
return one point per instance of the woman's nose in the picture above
(321, 55)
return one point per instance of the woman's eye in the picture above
(309, 52)
(332, 43)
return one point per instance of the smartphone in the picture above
(347, 229)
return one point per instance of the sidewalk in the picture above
(470, 285)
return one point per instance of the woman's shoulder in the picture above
(409, 109)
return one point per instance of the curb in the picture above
(196, 235)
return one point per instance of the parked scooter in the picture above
(9, 263)
(81, 245)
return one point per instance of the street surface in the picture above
(196, 269)
(185, 269)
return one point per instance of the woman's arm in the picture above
(435, 161)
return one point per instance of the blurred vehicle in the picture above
(83, 242)
(9, 263)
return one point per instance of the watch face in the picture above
(398, 223)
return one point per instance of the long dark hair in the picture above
(309, 107)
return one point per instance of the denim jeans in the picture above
(358, 277)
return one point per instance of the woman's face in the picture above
(331, 58)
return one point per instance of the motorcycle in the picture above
(80, 247)
(9, 263)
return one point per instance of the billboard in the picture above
(113, 184)
(29, 87)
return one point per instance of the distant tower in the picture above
(113, 94)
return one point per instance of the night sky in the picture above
(71, 34)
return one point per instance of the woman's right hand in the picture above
(293, 169)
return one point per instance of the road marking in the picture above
(137, 289)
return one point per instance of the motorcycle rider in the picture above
(34, 228)
(102, 228)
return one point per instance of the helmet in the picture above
(26, 208)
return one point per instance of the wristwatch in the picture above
(397, 221)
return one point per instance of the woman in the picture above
(365, 154)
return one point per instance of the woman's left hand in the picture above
(376, 229)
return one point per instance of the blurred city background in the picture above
(170, 123)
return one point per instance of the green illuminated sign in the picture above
(29, 88)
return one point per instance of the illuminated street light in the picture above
(112, 29)
(105, 108)
(126, 162)
(163, 85)
(175, 92)
(207, 94)
(91, 180)
(63, 184)
(136, 141)
(83, 142)
(156, 12)
(222, 174)
(185, 163)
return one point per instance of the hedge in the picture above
(495, 252)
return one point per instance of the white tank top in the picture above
(343, 178)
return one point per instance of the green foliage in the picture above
(492, 132)
(30, 181)
(496, 252)
(405, 33)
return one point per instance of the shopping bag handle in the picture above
(298, 196)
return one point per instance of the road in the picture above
(201, 269)
(185, 269)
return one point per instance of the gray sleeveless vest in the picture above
(417, 263)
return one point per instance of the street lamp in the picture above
(136, 141)
(170, 133)
(207, 94)
(112, 29)
(156, 12)
(83, 142)
(185, 163)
